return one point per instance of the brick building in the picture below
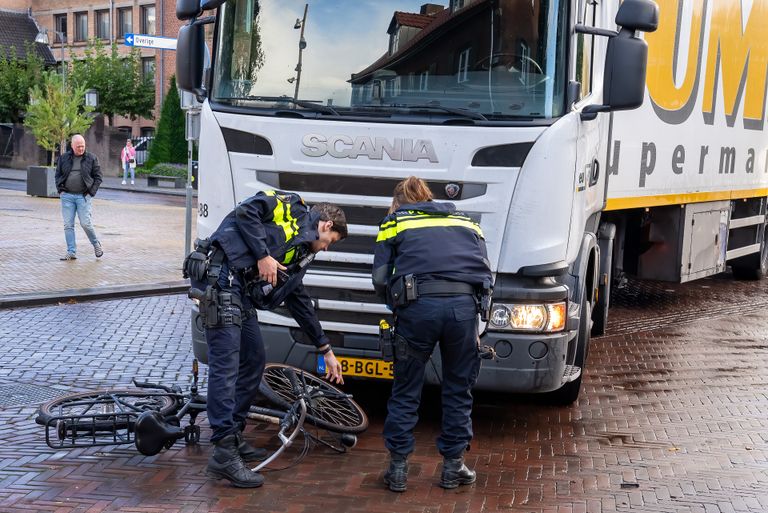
(110, 20)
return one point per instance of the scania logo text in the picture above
(345, 147)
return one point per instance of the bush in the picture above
(163, 168)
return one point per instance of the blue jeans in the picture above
(126, 168)
(72, 204)
(451, 321)
(236, 359)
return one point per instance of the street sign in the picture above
(159, 42)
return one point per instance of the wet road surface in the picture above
(672, 418)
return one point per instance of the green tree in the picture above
(17, 76)
(170, 141)
(123, 90)
(56, 112)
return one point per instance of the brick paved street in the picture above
(143, 244)
(672, 419)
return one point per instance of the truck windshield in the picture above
(478, 59)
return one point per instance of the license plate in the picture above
(360, 367)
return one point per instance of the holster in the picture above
(403, 290)
(386, 345)
(485, 301)
(204, 263)
(218, 309)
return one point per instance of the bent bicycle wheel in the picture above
(328, 407)
(104, 410)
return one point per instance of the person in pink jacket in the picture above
(128, 158)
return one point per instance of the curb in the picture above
(93, 294)
(146, 190)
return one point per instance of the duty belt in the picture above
(444, 288)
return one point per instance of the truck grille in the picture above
(362, 186)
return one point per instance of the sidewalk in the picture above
(143, 248)
(110, 182)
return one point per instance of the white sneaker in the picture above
(123, 182)
(132, 182)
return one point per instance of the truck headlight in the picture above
(547, 317)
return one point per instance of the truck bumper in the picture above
(525, 363)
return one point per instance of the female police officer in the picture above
(429, 265)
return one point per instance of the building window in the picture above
(394, 42)
(102, 24)
(148, 67)
(81, 26)
(124, 22)
(463, 71)
(147, 132)
(148, 19)
(457, 4)
(424, 81)
(60, 22)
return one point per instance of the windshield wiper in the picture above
(301, 103)
(458, 112)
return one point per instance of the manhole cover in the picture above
(23, 394)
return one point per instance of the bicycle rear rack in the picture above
(71, 431)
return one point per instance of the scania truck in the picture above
(590, 140)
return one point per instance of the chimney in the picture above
(431, 9)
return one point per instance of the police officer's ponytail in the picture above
(408, 191)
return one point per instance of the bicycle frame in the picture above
(152, 420)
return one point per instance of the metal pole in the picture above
(188, 216)
(298, 66)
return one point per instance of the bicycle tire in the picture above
(72, 405)
(333, 412)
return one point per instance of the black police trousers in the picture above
(236, 359)
(451, 321)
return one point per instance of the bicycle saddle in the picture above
(153, 433)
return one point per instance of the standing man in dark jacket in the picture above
(430, 266)
(266, 238)
(78, 177)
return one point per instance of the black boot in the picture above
(456, 473)
(396, 477)
(226, 463)
(249, 452)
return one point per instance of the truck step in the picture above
(571, 373)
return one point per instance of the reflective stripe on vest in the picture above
(391, 229)
(283, 218)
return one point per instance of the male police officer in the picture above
(429, 265)
(263, 235)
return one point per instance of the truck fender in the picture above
(587, 262)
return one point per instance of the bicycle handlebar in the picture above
(147, 384)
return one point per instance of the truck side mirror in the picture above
(626, 59)
(640, 15)
(188, 9)
(190, 56)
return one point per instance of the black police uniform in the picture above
(443, 252)
(272, 223)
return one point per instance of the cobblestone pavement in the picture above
(672, 418)
(143, 244)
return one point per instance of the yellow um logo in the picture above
(737, 56)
